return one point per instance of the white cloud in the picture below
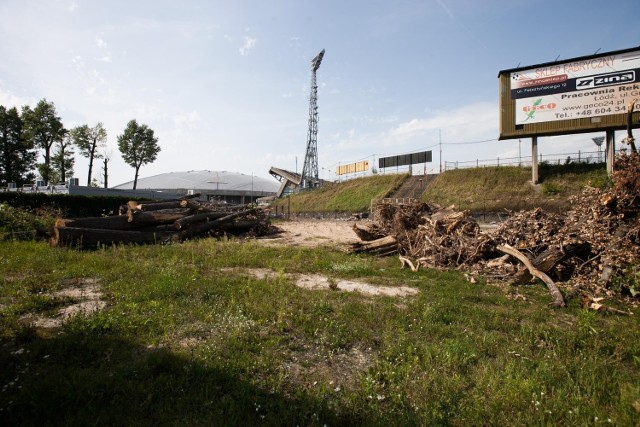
(101, 43)
(468, 123)
(9, 100)
(187, 120)
(249, 44)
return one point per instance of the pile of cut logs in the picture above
(161, 222)
(578, 253)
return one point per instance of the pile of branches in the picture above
(588, 250)
(162, 222)
(424, 235)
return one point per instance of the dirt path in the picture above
(313, 233)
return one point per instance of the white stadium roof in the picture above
(205, 181)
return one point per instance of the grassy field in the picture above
(183, 340)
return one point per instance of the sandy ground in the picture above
(312, 233)
(323, 232)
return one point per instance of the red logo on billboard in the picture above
(546, 107)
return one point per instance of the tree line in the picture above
(32, 132)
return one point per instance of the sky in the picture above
(225, 85)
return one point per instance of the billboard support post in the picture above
(611, 150)
(534, 160)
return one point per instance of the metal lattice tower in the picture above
(309, 177)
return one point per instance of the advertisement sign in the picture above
(592, 87)
(404, 159)
(353, 168)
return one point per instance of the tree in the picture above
(43, 128)
(17, 156)
(89, 140)
(138, 146)
(62, 161)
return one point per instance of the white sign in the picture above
(578, 89)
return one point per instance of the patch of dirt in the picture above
(84, 290)
(310, 367)
(313, 233)
(318, 281)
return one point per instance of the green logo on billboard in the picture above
(531, 111)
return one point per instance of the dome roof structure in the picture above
(230, 186)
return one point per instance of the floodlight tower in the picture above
(309, 177)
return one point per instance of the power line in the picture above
(469, 142)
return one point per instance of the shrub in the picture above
(21, 224)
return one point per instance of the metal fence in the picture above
(588, 157)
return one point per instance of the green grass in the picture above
(349, 196)
(181, 342)
(509, 187)
(491, 189)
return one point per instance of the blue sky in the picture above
(225, 85)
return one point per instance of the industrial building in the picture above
(230, 187)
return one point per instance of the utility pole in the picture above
(519, 152)
(440, 143)
(309, 177)
(106, 172)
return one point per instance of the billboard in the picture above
(577, 89)
(404, 159)
(585, 94)
(353, 167)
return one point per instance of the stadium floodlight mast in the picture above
(309, 177)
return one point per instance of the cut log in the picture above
(366, 233)
(119, 222)
(558, 300)
(201, 229)
(163, 216)
(173, 204)
(185, 222)
(385, 245)
(91, 237)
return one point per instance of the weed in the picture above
(551, 189)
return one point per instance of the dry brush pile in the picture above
(591, 251)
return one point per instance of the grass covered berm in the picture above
(349, 196)
(495, 189)
(491, 189)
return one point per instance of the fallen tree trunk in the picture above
(107, 223)
(183, 223)
(365, 233)
(207, 226)
(173, 204)
(163, 216)
(384, 246)
(91, 237)
(553, 289)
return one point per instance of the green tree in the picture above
(138, 146)
(17, 156)
(89, 140)
(62, 161)
(43, 128)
